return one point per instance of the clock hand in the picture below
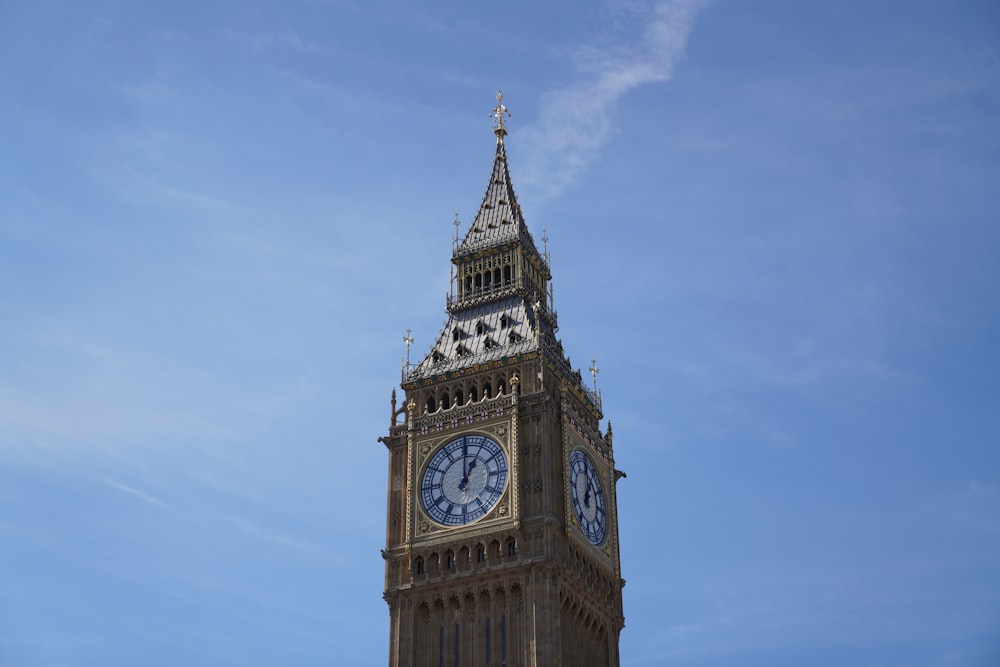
(464, 484)
(465, 475)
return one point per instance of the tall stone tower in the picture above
(502, 524)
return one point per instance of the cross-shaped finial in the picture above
(545, 241)
(499, 111)
(408, 339)
(594, 370)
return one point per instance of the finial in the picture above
(499, 111)
(594, 370)
(408, 339)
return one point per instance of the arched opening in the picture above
(445, 401)
(431, 405)
(433, 564)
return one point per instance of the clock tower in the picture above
(502, 522)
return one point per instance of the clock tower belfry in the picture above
(502, 522)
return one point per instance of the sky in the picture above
(773, 224)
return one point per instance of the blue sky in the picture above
(775, 225)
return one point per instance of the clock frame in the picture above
(424, 525)
(463, 480)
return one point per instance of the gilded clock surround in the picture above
(438, 433)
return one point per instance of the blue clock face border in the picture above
(587, 493)
(464, 480)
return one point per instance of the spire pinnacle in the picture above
(499, 111)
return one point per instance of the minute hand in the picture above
(469, 472)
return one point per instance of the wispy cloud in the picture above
(254, 529)
(135, 492)
(575, 120)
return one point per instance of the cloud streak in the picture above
(136, 493)
(575, 120)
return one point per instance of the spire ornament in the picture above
(594, 370)
(408, 339)
(499, 111)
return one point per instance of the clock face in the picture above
(588, 496)
(463, 480)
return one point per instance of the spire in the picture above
(499, 219)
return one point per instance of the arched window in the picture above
(511, 547)
(480, 553)
(431, 405)
(506, 275)
(480, 328)
(449, 560)
(504, 321)
(473, 394)
(487, 390)
(458, 397)
(456, 334)
(419, 565)
(445, 401)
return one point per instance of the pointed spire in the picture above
(499, 219)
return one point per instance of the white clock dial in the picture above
(587, 492)
(464, 480)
